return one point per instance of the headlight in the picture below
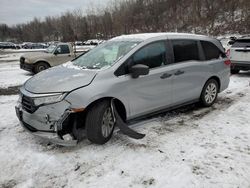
(48, 99)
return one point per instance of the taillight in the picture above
(228, 53)
(227, 62)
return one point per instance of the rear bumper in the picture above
(240, 65)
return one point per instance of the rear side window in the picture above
(63, 49)
(152, 55)
(185, 50)
(245, 43)
(211, 51)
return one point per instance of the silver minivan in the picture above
(125, 78)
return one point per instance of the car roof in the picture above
(154, 36)
(146, 36)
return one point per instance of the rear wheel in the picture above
(100, 123)
(40, 66)
(209, 93)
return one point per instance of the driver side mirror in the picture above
(55, 52)
(138, 70)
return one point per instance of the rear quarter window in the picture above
(211, 51)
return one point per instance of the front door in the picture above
(62, 55)
(151, 92)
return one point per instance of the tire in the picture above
(235, 71)
(100, 123)
(209, 93)
(40, 66)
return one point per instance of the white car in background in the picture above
(239, 54)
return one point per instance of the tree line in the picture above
(210, 17)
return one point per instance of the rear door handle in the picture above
(165, 75)
(179, 72)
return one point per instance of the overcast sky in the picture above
(20, 11)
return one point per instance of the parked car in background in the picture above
(239, 54)
(136, 75)
(87, 45)
(30, 45)
(94, 42)
(79, 43)
(8, 45)
(91, 42)
(54, 55)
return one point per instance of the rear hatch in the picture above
(240, 51)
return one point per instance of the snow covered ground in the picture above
(12, 75)
(188, 147)
(10, 57)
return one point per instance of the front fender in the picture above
(79, 99)
(42, 60)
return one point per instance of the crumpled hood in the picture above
(59, 79)
(36, 55)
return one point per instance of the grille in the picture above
(28, 104)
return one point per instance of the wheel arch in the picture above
(121, 109)
(42, 61)
(217, 79)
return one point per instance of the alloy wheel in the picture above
(107, 123)
(210, 93)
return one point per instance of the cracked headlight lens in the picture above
(49, 99)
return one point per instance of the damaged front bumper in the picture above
(48, 122)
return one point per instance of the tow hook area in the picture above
(123, 126)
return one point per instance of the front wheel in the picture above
(209, 93)
(40, 66)
(100, 123)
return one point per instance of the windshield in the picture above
(51, 48)
(105, 55)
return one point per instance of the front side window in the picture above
(105, 55)
(210, 50)
(152, 55)
(185, 50)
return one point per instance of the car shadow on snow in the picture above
(188, 116)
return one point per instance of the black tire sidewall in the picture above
(39, 64)
(202, 99)
(93, 123)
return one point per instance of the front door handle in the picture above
(179, 72)
(165, 75)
